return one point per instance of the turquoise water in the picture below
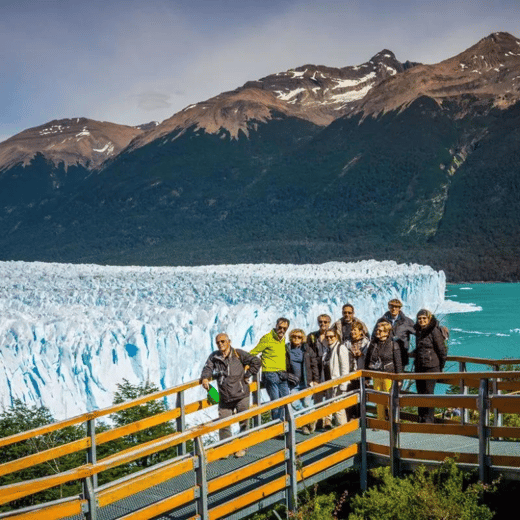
(493, 332)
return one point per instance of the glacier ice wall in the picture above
(70, 333)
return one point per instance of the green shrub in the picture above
(443, 493)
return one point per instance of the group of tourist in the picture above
(333, 350)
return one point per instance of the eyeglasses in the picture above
(296, 337)
(282, 327)
(321, 322)
(330, 337)
(391, 305)
(221, 341)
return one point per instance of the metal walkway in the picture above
(434, 442)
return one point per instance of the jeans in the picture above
(276, 388)
(301, 403)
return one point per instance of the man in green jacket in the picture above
(271, 349)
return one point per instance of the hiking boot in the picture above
(240, 453)
(312, 427)
(306, 431)
(327, 424)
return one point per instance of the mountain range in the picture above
(384, 160)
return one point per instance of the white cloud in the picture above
(153, 101)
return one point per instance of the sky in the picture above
(134, 61)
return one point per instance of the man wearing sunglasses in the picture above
(271, 349)
(317, 340)
(343, 326)
(232, 369)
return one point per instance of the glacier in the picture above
(70, 333)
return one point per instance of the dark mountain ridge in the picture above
(382, 160)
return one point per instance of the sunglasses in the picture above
(297, 337)
(321, 322)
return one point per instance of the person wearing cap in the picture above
(430, 356)
(272, 351)
(232, 369)
(402, 327)
(343, 326)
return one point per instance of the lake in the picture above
(494, 331)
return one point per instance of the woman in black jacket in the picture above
(383, 355)
(430, 356)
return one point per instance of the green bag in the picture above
(213, 395)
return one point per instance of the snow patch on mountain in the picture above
(285, 96)
(352, 95)
(70, 333)
(345, 83)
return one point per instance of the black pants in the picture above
(426, 386)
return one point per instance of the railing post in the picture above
(90, 495)
(257, 419)
(495, 391)
(394, 428)
(363, 423)
(464, 413)
(291, 468)
(483, 430)
(90, 483)
(181, 421)
(201, 480)
(92, 451)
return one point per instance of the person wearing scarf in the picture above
(383, 355)
(357, 346)
(337, 364)
(302, 366)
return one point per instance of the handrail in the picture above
(484, 361)
(42, 430)
(5, 441)
(16, 491)
(403, 376)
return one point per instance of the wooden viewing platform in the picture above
(209, 484)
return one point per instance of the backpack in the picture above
(445, 333)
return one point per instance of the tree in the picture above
(21, 417)
(126, 392)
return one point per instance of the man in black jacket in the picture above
(231, 368)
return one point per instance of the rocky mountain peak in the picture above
(69, 141)
(316, 93)
(498, 50)
(489, 70)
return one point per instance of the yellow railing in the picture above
(132, 484)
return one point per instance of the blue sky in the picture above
(132, 62)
